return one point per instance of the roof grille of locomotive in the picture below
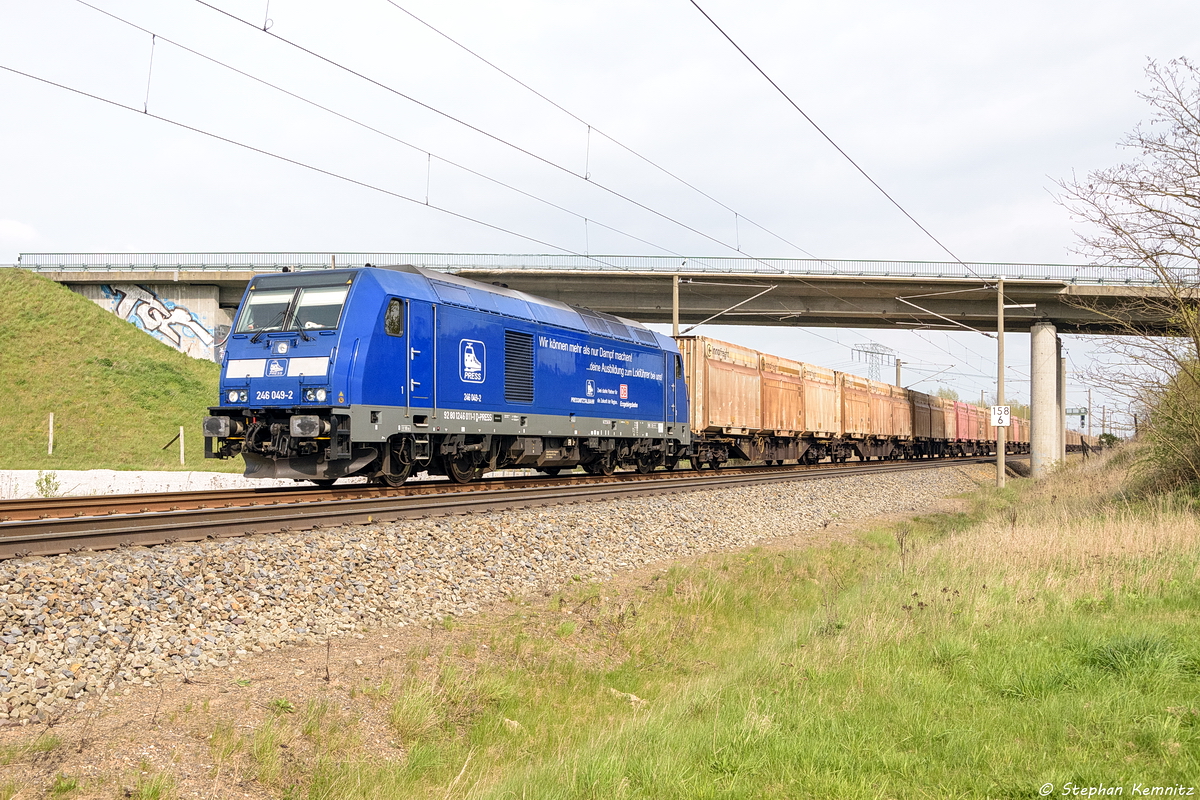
(604, 324)
(647, 336)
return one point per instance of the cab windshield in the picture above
(306, 308)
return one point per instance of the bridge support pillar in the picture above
(1044, 373)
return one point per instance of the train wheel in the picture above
(670, 464)
(551, 471)
(398, 478)
(714, 464)
(607, 464)
(645, 466)
(461, 469)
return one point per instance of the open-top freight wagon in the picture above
(754, 406)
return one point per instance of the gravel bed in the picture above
(72, 624)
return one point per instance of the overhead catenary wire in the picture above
(835, 145)
(149, 73)
(470, 126)
(518, 148)
(591, 128)
(302, 164)
(345, 117)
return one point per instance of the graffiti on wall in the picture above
(163, 319)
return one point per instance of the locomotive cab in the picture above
(279, 392)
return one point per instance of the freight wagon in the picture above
(758, 407)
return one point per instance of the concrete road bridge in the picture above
(187, 299)
(769, 291)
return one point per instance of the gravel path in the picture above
(23, 483)
(69, 625)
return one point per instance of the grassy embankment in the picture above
(117, 395)
(1048, 635)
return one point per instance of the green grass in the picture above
(1047, 635)
(117, 395)
(46, 743)
(64, 786)
(153, 787)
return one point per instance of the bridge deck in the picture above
(807, 292)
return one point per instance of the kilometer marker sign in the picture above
(1001, 416)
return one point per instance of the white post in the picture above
(1001, 433)
(675, 305)
(898, 363)
(1089, 416)
(181, 445)
(50, 447)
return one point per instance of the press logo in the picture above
(590, 389)
(277, 368)
(471, 360)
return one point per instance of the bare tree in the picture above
(1144, 215)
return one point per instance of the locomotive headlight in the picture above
(315, 395)
(233, 395)
(321, 395)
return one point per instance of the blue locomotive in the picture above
(386, 371)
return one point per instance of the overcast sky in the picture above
(966, 113)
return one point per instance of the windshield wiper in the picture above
(266, 328)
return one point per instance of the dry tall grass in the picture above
(1076, 539)
(1076, 536)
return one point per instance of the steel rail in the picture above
(280, 513)
(108, 504)
(67, 506)
(93, 505)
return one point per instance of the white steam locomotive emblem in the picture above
(471, 357)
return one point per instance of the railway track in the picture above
(42, 527)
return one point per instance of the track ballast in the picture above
(53, 526)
